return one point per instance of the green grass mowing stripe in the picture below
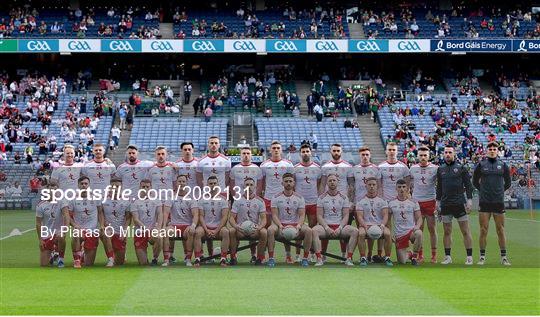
(282, 291)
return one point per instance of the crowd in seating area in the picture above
(421, 22)
(276, 22)
(130, 22)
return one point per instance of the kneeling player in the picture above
(249, 207)
(214, 216)
(83, 217)
(147, 216)
(332, 216)
(117, 218)
(373, 211)
(407, 223)
(48, 224)
(184, 219)
(288, 209)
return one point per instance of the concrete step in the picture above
(187, 109)
(303, 89)
(166, 30)
(371, 137)
(356, 31)
(239, 131)
(118, 155)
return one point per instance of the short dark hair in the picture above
(212, 177)
(364, 148)
(401, 182)
(336, 144)
(116, 180)
(287, 175)
(305, 146)
(492, 144)
(245, 148)
(132, 147)
(371, 179)
(82, 178)
(182, 175)
(423, 148)
(186, 143)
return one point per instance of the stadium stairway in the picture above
(242, 130)
(356, 31)
(303, 89)
(166, 30)
(486, 86)
(187, 110)
(371, 135)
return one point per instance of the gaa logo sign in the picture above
(79, 46)
(120, 46)
(326, 46)
(38, 46)
(244, 46)
(161, 46)
(408, 46)
(368, 46)
(203, 46)
(281, 46)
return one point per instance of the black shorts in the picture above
(457, 211)
(496, 208)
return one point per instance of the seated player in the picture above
(48, 222)
(332, 217)
(82, 215)
(373, 211)
(407, 223)
(117, 215)
(288, 209)
(214, 214)
(184, 218)
(146, 215)
(249, 207)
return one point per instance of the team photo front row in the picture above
(304, 206)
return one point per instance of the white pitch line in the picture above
(22, 232)
(517, 219)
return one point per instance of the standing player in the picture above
(391, 171)
(249, 207)
(132, 171)
(373, 211)
(344, 172)
(49, 220)
(423, 180)
(117, 219)
(86, 218)
(163, 175)
(214, 214)
(453, 180)
(288, 209)
(214, 163)
(492, 178)
(187, 166)
(407, 223)
(66, 174)
(184, 218)
(333, 216)
(147, 215)
(273, 171)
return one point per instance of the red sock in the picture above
(343, 245)
(261, 257)
(421, 253)
(188, 255)
(324, 245)
(363, 255)
(76, 256)
(318, 255)
(223, 254)
(306, 254)
(387, 254)
(415, 255)
(198, 254)
(433, 252)
(270, 254)
(349, 255)
(110, 254)
(233, 255)
(369, 254)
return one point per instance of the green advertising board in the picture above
(8, 46)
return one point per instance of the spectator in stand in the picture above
(14, 191)
(35, 184)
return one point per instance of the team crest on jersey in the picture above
(455, 170)
(499, 167)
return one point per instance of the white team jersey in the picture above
(132, 175)
(67, 175)
(390, 174)
(99, 174)
(307, 178)
(213, 211)
(424, 182)
(189, 169)
(240, 172)
(147, 210)
(288, 207)
(333, 207)
(182, 210)
(403, 211)
(162, 177)
(248, 209)
(217, 166)
(51, 217)
(361, 174)
(85, 212)
(372, 209)
(343, 170)
(273, 173)
(115, 213)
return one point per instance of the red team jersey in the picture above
(248, 209)
(189, 169)
(424, 180)
(390, 174)
(288, 207)
(333, 207)
(372, 209)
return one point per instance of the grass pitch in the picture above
(27, 289)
